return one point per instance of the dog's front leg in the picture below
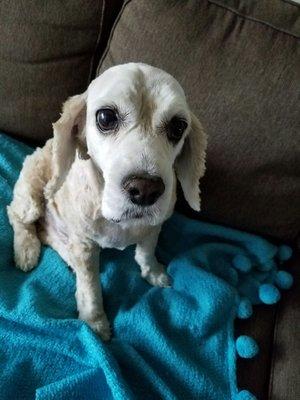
(84, 259)
(151, 269)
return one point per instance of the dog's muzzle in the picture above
(143, 190)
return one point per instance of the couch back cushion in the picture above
(46, 54)
(239, 65)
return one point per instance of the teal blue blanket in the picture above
(174, 343)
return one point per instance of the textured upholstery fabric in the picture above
(46, 54)
(241, 74)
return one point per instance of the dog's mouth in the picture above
(132, 215)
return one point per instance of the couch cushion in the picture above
(46, 52)
(241, 75)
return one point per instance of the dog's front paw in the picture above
(100, 325)
(157, 276)
(30, 210)
(27, 249)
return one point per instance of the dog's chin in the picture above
(134, 217)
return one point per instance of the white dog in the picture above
(107, 179)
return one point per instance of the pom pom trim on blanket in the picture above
(245, 395)
(218, 273)
(246, 346)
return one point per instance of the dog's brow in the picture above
(147, 108)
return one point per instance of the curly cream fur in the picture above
(68, 193)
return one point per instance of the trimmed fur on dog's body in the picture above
(67, 195)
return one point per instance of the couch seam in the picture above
(111, 36)
(292, 3)
(253, 19)
(213, 2)
(103, 4)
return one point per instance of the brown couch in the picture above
(238, 61)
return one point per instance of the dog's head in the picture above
(135, 125)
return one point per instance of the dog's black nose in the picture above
(144, 190)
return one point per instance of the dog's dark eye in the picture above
(176, 127)
(107, 119)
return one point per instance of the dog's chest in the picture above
(113, 235)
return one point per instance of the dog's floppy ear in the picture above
(68, 137)
(190, 164)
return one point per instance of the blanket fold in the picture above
(172, 343)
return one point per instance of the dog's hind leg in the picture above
(27, 206)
